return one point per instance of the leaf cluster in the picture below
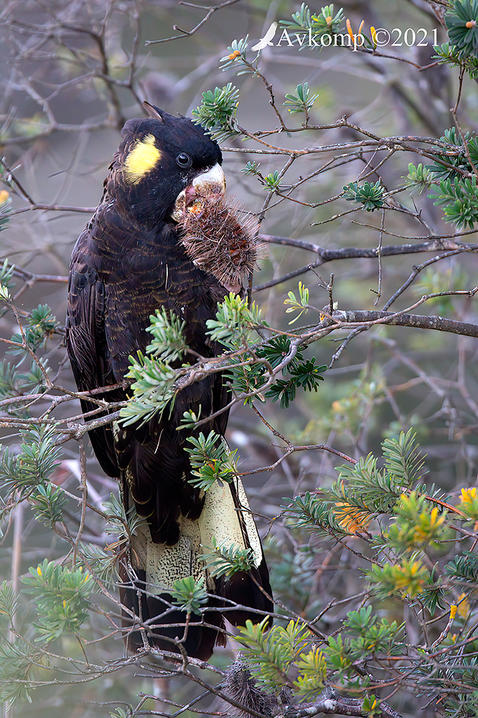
(325, 22)
(190, 595)
(39, 326)
(462, 25)
(217, 112)
(227, 559)
(370, 195)
(302, 100)
(153, 388)
(168, 343)
(211, 460)
(61, 597)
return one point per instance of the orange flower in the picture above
(4, 195)
(233, 55)
(470, 24)
(356, 39)
(350, 518)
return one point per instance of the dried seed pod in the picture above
(217, 239)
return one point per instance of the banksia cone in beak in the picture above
(217, 239)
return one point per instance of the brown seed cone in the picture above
(217, 240)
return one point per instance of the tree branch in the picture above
(417, 321)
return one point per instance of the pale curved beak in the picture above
(215, 176)
(213, 179)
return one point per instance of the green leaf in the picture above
(210, 459)
(403, 458)
(451, 55)
(34, 464)
(168, 342)
(47, 502)
(459, 199)
(153, 389)
(270, 654)
(189, 594)
(300, 101)
(369, 195)
(217, 111)
(312, 669)
(61, 597)
(227, 560)
(234, 321)
(462, 24)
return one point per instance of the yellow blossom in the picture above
(4, 195)
(329, 19)
(453, 610)
(463, 606)
(409, 577)
(467, 495)
(336, 406)
(233, 55)
(373, 33)
(39, 570)
(64, 603)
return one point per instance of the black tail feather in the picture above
(165, 628)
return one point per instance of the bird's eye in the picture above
(183, 160)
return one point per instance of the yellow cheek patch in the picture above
(141, 160)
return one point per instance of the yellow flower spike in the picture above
(4, 195)
(349, 29)
(373, 33)
(463, 606)
(414, 568)
(453, 610)
(360, 27)
(87, 575)
(64, 603)
(39, 570)
(233, 55)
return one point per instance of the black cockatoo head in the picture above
(160, 159)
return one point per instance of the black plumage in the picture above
(128, 262)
